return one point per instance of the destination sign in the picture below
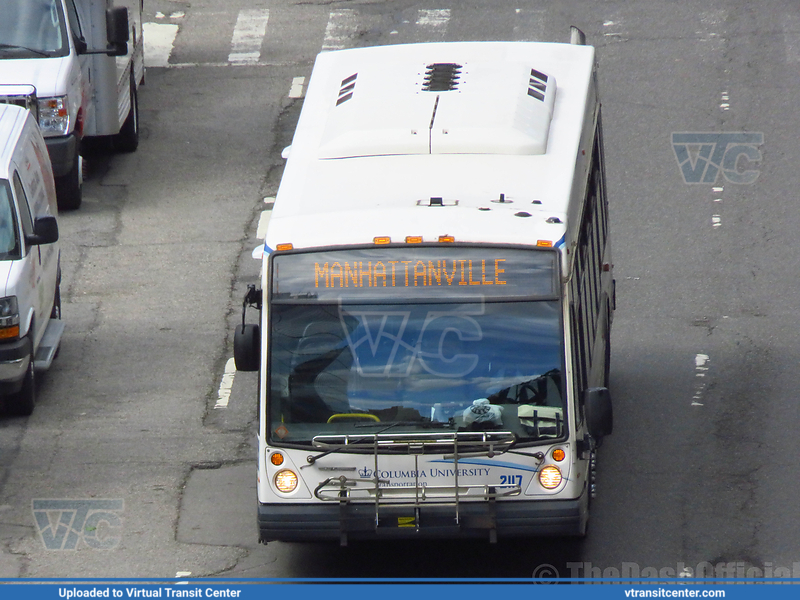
(404, 273)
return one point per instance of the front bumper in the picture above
(340, 522)
(14, 359)
(62, 151)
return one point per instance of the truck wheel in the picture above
(69, 188)
(246, 347)
(23, 402)
(127, 140)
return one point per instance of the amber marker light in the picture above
(446, 239)
(382, 240)
(276, 458)
(286, 481)
(9, 333)
(413, 239)
(544, 243)
(559, 454)
(550, 477)
(288, 246)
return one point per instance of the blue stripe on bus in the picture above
(489, 463)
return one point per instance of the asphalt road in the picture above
(701, 474)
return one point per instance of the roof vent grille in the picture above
(346, 89)
(537, 86)
(442, 77)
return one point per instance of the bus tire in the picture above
(69, 188)
(247, 347)
(127, 140)
(23, 402)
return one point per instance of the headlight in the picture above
(9, 318)
(550, 477)
(285, 481)
(54, 116)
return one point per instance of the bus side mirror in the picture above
(599, 417)
(118, 32)
(247, 347)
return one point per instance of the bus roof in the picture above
(474, 140)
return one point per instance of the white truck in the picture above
(85, 59)
(30, 269)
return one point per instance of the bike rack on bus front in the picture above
(455, 446)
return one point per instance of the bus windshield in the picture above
(32, 28)
(459, 364)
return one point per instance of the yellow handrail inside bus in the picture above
(338, 416)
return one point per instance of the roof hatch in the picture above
(469, 107)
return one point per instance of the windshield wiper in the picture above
(423, 424)
(18, 47)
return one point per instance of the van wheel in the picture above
(23, 402)
(127, 140)
(69, 188)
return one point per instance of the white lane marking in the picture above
(195, 65)
(342, 24)
(700, 368)
(158, 41)
(614, 29)
(433, 22)
(716, 218)
(248, 34)
(296, 91)
(711, 33)
(226, 385)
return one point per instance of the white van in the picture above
(30, 271)
(76, 55)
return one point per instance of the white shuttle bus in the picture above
(436, 298)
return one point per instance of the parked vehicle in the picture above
(76, 54)
(30, 259)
